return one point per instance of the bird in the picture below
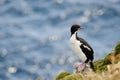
(81, 48)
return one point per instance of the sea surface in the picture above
(34, 35)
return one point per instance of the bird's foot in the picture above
(79, 67)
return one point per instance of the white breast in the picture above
(75, 45)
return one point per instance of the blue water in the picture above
(34, 35)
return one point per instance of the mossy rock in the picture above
(100, 65)
(73, 77)
(62, 75)
(109, 58)
(68, 76)
(114, 56)
(117, 49)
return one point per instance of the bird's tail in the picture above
(92, 66)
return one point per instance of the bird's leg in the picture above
(80, 66)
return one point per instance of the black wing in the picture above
(87, 49)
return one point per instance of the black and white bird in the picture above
(81, 48)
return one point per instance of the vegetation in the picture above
(105, 69)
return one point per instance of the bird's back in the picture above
(85, 43)
(87, 49)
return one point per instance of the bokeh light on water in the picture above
(34, 35)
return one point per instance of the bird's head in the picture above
(75, 28)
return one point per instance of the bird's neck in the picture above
(74, 35)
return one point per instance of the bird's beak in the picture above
(81, 28)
